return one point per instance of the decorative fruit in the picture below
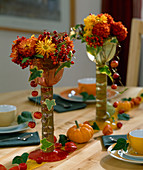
(2, 167)
(70, 147)
(119, 125)
(14, 168)
(86, 122)
(80, 133)
(55, 139)
(58, 145)
(38, 115)
(115, 104)
(125, 105)
(107, 130)
(114, 86)
(121, 111)
(114, 64)
(23, 166)
(115, 75)
(39, 159)
(34, 93)
(72, 62)
(31, 124)
(33, 83)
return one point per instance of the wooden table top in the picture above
(92, 155)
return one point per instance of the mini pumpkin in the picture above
(125, 105)
(80, 133)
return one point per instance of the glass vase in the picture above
(101, 59)
(47, 81)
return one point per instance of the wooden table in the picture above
(93, 155)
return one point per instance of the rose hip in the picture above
(34, 93)
(119, 125)
(38, 115)
(31, 124)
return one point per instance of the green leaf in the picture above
(24, 117)
(63, 139)
(126, 99)
(50, 103)
(91, 50)
(66, 64)
(25, 59)
(121, 92)
(121, 144)
(95, 126)
(123, 116)
(25, 157)
(105, 70)
(114, 40)
(45, 144)
(72, 36)
(141, 95)
(17, 160)
(77, 26)
(35, 73)
(84, 95)
(39, 56)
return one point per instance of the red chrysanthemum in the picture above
(101, 30)
(119, 30)
(110, 19)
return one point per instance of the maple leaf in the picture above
(45, 144)
(50, 103)
(35, 73)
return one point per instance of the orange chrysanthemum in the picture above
(27, 47)
(101, 30)
(119, 30)
(69, 42)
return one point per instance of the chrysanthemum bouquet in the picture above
(54, 48)
(101, 34)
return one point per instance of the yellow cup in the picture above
(135, 138)
(87, 85)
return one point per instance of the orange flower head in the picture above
(119, 30)
(69, 42)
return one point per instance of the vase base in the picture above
(56, 155)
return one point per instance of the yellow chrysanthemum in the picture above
(90, 19)
(45, 47)
(101, 18)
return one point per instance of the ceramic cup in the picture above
(135, 138)
(87, 85)
(7, 115)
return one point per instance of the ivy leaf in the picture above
(17, 160)
(126, 99)
(25, 59)
(66, 64)
(63, 139)
(20, 159)
(123, 116)
(50, 103)
(86, 96)
(25, 157)
(106, 70)
(121, 144)
(45, 144)
(39, 56)
(95, 126)
(24, 117)
(35, 73)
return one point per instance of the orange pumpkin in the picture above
(125, 105)
(80, 133)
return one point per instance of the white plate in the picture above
(118, 154)
(14, 128)
(73, 95)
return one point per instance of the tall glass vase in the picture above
(47, 81)
(101, 59)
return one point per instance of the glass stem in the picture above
(101, 95)
(47, 116)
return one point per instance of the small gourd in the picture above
(125, 105)
(80, 133)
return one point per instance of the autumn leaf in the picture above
(50, 103)
(35, 73)
(45, 144)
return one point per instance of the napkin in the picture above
(59, 108)
(107, 141)
(33, 140)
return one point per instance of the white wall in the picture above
(12, 77)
